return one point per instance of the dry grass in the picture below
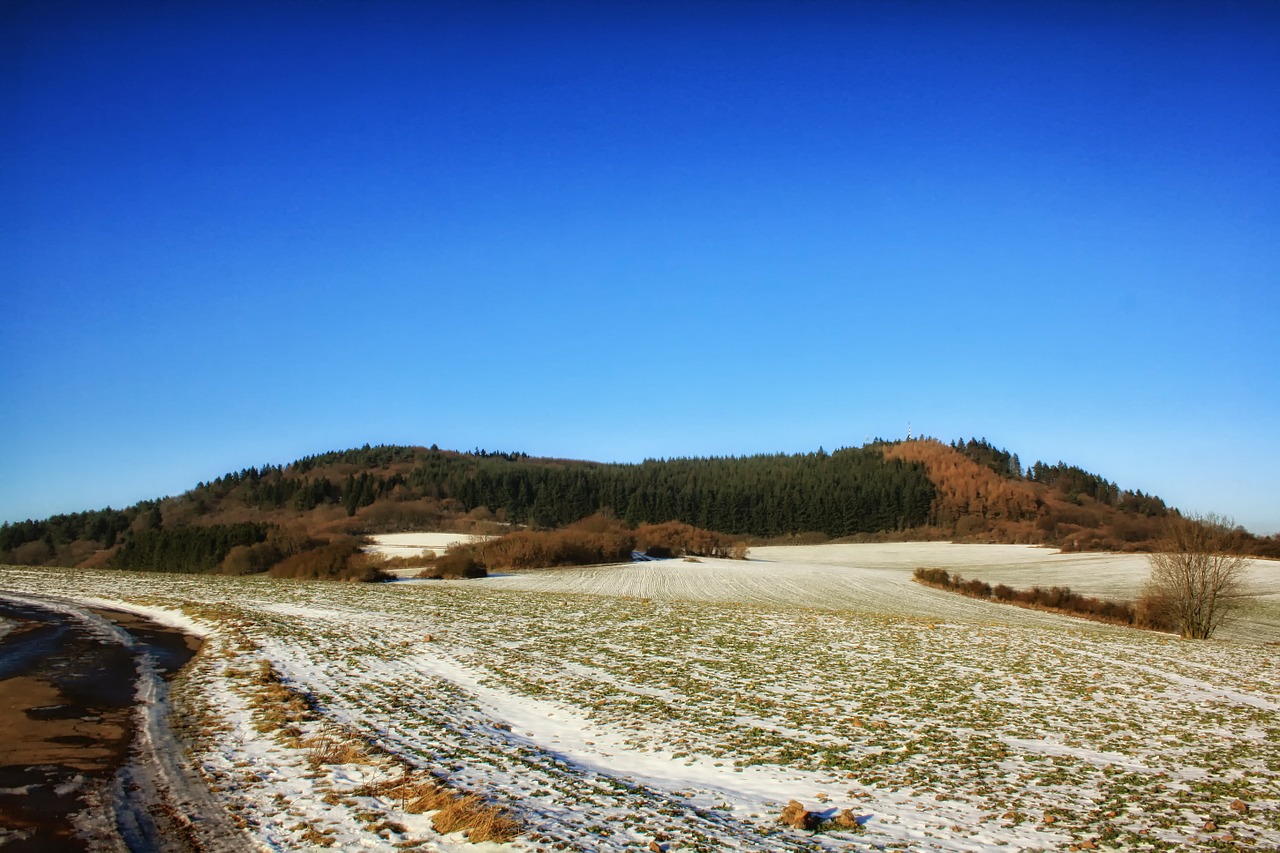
(454, 810)
(335, 746)
(480, 820)
(315, 838)
(280, 707)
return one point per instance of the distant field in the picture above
(412, 544)
(876, 579)
(686, 703)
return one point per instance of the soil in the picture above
(71, 728)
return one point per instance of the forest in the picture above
(965, 490)
(841, 493)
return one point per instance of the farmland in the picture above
(685, 703)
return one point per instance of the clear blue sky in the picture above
(239, 233)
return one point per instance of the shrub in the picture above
(1153, 611)
(1055, 597)
(599, 538)
(386, 515)
(680, 538)
(250, 559)
(455, 564)
(1059, 598)
(934, 577)
(30, 553)
(1199, 570)
(340, 559)
(528, 549)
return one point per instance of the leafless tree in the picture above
(1197, 575)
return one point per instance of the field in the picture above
(684, 704)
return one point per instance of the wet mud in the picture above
(68, 727)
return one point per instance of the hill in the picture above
(967, 491)
(984, 495)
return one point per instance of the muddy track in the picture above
(87, 758)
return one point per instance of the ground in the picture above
(686, 703)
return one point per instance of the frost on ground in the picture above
(687, 703)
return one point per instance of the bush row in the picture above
(1147, 612)
(342, 558)
(292, 554)
(596, 539)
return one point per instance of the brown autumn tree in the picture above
(966, 491)
(1197, 575)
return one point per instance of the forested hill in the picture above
(967, 490)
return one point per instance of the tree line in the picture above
(840, 493)
(1070, 481)
(968, 490)
(103, 527)
(186, 549)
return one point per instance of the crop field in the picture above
(682, 705)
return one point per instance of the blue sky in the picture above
(233, 234)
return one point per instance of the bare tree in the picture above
(1198, 573)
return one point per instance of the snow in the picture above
(603, 705)
(412, 544)
(408, 545)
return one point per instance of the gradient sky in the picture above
(234, 234)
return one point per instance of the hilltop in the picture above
(922, 489)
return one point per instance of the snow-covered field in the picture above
(686, 703)
(409, 545)
(413, 544)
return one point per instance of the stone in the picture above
(1240, 806)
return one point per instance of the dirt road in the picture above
(87, 760)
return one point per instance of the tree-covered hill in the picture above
(381, 489)
(984, 493)
(966, 490)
